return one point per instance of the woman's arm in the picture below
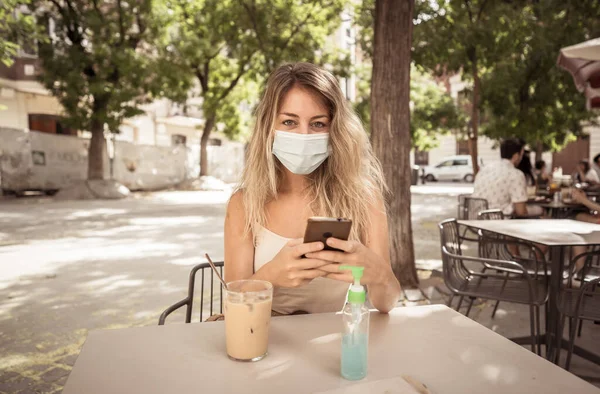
(385, 294)
(592, 177)
(374, 256)
(580, 197)
(287, 269)
(239, 247)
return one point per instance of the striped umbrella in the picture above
(583, 62)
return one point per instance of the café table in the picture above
(434, 345)
(558, 235)
(562, 209)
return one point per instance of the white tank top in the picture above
(319, 296)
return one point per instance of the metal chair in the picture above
(491, 214)
(509, 281)
(497, 247)
(474, 205)
(188, 301)
(471, 206)
(578, 304)
(461, 213)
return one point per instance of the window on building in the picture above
(52, 124)
(462, 147)
(178, 139)
(421, 158)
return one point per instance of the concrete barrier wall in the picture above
(41, 161)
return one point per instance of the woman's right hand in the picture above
(289, 269)
(579, 196)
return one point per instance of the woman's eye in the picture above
(289, 122)
(319, 125)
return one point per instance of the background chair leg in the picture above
(532, 327)
(573, 327)
(538, 330)
(470, 305)
(460, 300)
(558, 349)
(495, 309)
(450, 299)
(579, 329)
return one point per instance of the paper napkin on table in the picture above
(396, 385)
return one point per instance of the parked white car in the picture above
(451, 168)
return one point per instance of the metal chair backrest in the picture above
(491, 214)
(450, 243)
(188, 301)
(474, 205)
(462, 208)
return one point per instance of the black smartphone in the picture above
(320, 228)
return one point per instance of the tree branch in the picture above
(298, 27)
(97, 9)
(468, 5)
(234, 82)
(201, 78)
(121, 27)
(216, 53)
(481, 10)
(251, 13)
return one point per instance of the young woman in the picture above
(308, 156)
(586, 174)
(542, 177)
(527, 169)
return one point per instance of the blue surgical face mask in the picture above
(301, 153)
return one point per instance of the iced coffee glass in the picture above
(247, 318)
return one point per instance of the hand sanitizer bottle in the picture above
(355, 335)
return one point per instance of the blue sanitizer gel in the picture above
(354, 356)
(355, 334)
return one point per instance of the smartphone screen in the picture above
(318, 229)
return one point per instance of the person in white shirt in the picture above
(596, 165)
(503, 185)
(585, 173)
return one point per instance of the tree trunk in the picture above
(208, 126)
(390, 125)
(96, 151)
(539, 150)
(473, 136)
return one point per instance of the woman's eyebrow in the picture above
(296, 116)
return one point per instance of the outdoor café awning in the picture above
(583, 62)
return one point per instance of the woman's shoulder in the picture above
(236, 202)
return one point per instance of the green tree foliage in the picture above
(433, 111)
(99, 63)
(224, 44)
(527, 95)
(15, 27)
(466, 37)
(507, 51)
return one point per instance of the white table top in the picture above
(433, 344)
(550, 232)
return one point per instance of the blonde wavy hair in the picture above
(346, 185)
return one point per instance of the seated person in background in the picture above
(580, 197)
(586, 174)
(526, 168)
(541, 176)
(503, 185)
(596, 165)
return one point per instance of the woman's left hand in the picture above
(377, 271)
